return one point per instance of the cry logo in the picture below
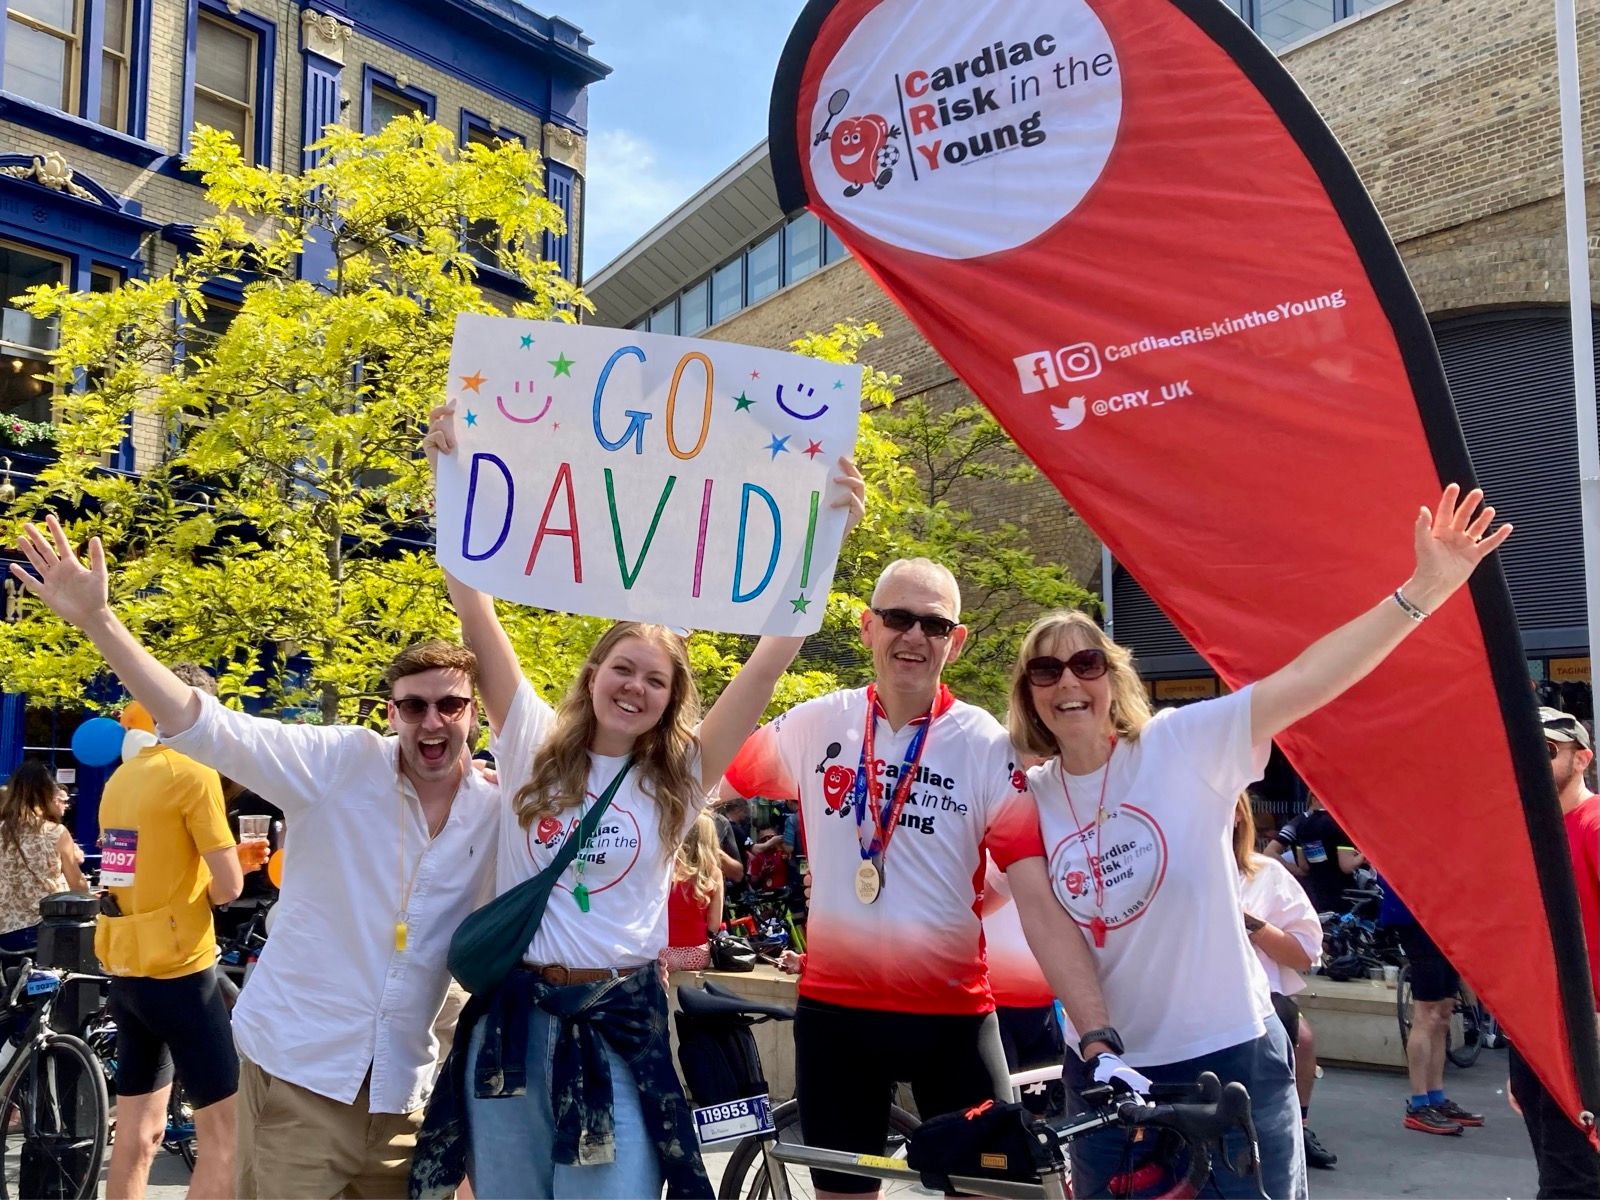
(862, 148)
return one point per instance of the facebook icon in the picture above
(1035, 372)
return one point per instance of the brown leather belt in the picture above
(558, 976)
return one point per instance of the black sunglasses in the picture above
(414, 708)
(902, 619)
(1045, 671)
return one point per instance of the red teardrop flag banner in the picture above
(1131, 235)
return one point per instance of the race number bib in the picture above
(119, 848)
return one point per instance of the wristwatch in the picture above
(1105, 1034)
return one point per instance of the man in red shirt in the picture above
(1568, 1165)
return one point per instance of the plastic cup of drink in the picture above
(253, 828)
(1391, 974)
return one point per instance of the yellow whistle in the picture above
(399, 936)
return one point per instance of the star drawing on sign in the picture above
(472, 417)
(800, 603)
(778, 445)
(755, 374)
(837, 384)
(741, 402)
(562, 364)
(472, 382)
(527, 341)
(813, 449)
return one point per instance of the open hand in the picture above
(1450, 543)
(74, 592)
(441, 435)
(855, 495)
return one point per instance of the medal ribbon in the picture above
(867, 798)
(1097, 926)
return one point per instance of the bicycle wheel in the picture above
(1465, 1041)
(54, 1124)
(745, 1176)
(1402, 1003)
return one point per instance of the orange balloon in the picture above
(275, 868)
(137, 716)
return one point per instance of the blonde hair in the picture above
(1130, 707)
(663, 756)
(697, 858)
(1244, 837)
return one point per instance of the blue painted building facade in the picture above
(97, 98)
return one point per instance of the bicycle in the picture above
(1196, 1117)
(761, 914)
(1465, 1035)
(53, 1103)
(100, 1033)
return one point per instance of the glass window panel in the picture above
(223, 58)
(765, 268)
(111, 91)
(665, 318)
(387, 105)
(116, 24)
(692, 317)
(63, 14)
(1285, 21)
(482, 236)
(36, 65)
(103, 279)
(642, 325)
(20, 270)
(727, 290)
(24, 392)
(802, 247)
(832, 248)
(219, 114)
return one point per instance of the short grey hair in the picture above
(924, 567)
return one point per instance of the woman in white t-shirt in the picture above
(1282, 927)
(1137, 816)
(601, 1113)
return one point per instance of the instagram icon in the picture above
(1046, 369)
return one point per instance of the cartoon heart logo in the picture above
(837, 781)
(855, 145)
(546, 831)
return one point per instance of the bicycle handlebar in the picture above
(1202, 1125)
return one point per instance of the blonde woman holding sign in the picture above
(582, 1023)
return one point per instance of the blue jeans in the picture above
(513, 1137)
(1266, 1068)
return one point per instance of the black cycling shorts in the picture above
(1432, 976)
(847, 1061)
(174, 1024)
(1289, 1013)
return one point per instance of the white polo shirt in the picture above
(331, 996)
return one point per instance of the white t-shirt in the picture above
(627, 871)
(1178, 976)
(1275, 895)
(919, 946)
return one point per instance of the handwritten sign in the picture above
(645, 477)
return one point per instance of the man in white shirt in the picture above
(394, 844)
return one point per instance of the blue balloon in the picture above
(98, 742)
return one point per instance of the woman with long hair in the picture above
(1282, 927)
(694, 906)
(1137, 815)
(573, 1090)
(37, 854)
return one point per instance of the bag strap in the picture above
(587, 826)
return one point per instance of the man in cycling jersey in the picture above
(168, 856)
(391, 844)
(901, 788)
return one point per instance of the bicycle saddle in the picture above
(709, 1000)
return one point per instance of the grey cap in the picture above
(1564, 727)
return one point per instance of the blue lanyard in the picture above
(883, 824)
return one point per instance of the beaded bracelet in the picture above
(1410, 609)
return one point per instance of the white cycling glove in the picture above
(1109, 1069)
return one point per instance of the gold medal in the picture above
(869, 882)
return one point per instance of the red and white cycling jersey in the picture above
(919, 946)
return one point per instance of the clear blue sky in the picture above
(687, 96)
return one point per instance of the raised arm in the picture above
(1449, 546)
(499, 673)
(739, 708)
(77, 594)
